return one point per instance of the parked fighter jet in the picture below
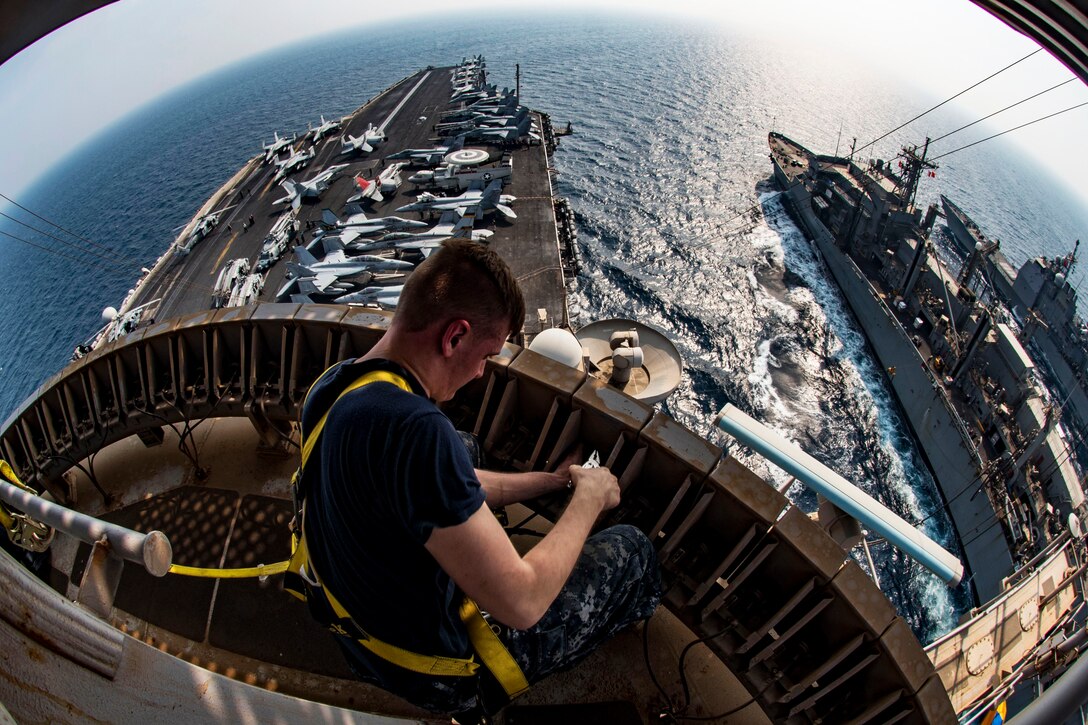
(294, 163)
(328, 274)
(315, 187)
(490, 199)
(277, 146)
(450, 225)
(364, 142)
(428, 157)
(325, 129)
(501, 133)
(502, 104)
(375, 189)
(384, 297)
(483, 120)
(303, 289)
(369, 190)
(337, 262)
(358, 225)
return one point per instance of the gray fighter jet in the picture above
(315, 187)
(295, 162)
(358, 225)
(428, 157)
(325, 129)
(490, 199)
(277, 146)
(363, 143)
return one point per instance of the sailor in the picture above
(398, 524)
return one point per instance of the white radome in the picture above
(559, 345)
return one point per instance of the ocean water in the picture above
(669, 179)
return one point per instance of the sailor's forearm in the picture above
(552, 560)
(508, 488)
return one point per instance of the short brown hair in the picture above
(462, 279)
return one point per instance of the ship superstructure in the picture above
(984, 419)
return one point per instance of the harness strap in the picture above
(492, 651)
(372, 377)
(327, 608)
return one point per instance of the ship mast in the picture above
(913, 164)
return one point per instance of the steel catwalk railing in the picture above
(774, 597)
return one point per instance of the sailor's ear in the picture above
(453, 334)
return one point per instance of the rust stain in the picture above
(46, 694)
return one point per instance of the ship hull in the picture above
(943, 441)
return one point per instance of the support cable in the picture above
(934, 108)
(1015, 128)
(54, 224)
(1006, 108)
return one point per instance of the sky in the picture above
(85, 76)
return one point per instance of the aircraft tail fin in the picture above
(328, 218)
(457, 144)
(491, 193)
(463, 228)
(305, 257)
(369, 189)
(299, 271)
(333, 244)
(301, 299)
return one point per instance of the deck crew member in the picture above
(397, 518)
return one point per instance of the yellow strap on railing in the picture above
(280, 566)
(260, 570)
(9, 475)
(372, 377)
(492, 651)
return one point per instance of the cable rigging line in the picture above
(1016, 128)
(54, 224)
(1025, 100)
(934, 108)
(77, 260)
(111, 258)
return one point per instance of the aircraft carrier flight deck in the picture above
(240, 217)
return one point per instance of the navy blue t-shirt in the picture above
(389, 468)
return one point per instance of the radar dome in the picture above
(559, 345)
(109, 314)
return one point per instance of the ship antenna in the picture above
(915, 165)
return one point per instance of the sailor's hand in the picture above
(597, 483)
(562, 471)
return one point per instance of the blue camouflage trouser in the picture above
(615, 583)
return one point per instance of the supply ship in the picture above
(984, 420)
(168, 442)
(1044, 304)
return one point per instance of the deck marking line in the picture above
(381, 129)
(222, 254)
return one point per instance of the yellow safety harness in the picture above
(302, 581)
